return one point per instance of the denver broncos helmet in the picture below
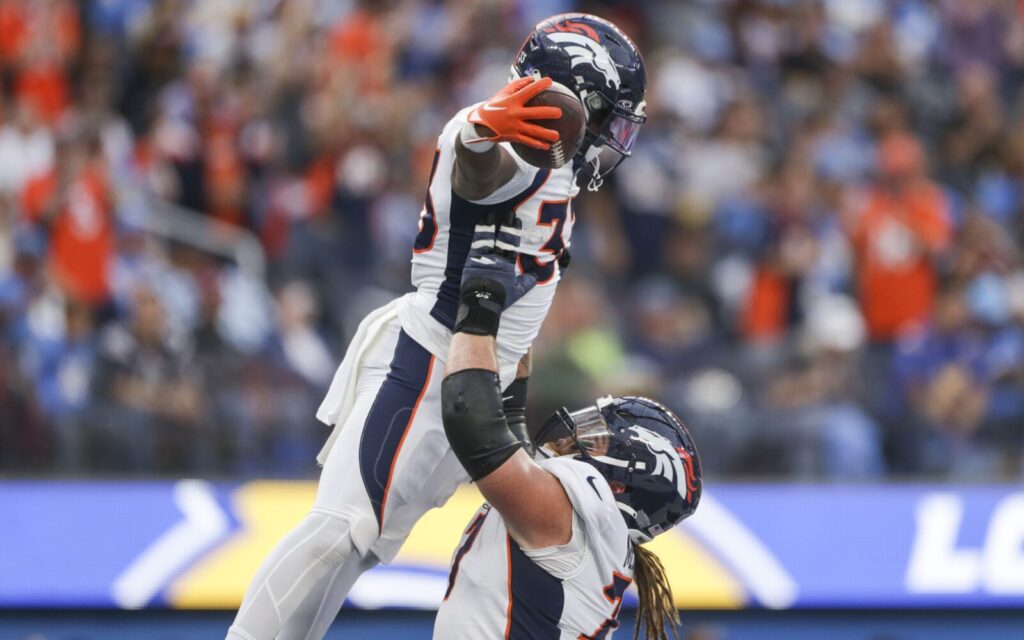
(644, 452)
(603, 67)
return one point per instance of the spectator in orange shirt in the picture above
(790, 254)
(43, 82)
(896, 233)
(74, 202)
(13, 30)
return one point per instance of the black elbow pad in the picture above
(475, 423)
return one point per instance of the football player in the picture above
(556, 545)
(387, 460)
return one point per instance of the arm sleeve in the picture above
(514, 404)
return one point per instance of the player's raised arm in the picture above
(471, 398)
(481, 165)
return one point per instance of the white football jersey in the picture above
(541, 198)
(498, 590)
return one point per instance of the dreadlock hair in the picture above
(657, 607)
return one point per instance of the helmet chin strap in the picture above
(596, 180)
(593, 158)
(636, 536)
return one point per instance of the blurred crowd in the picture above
(814, 255)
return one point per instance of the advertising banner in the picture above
(194, 544)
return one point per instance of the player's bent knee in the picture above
(330, 538)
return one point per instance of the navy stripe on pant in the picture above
(390, 417)
(536, 599)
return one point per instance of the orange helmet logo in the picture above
(573, 27)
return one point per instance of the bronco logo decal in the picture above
(584, 50)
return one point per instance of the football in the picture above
(570, 128)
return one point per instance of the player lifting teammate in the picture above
(554, 560)
(387, 460)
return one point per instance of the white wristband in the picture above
(471, 139)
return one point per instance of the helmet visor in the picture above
(623, 130)
(610, 144)
(589, 435)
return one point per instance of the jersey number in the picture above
(613, 594)
(552, 214)
(468, 538)
(428, 220)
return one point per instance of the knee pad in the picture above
(330, 537)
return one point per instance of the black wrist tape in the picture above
(514, 405)
(475, 423)
(480, 305)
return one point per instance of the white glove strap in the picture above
(471, 139)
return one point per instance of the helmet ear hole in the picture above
(598, 118)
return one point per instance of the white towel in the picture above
(340, 396)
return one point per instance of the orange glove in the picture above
(506, 115)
